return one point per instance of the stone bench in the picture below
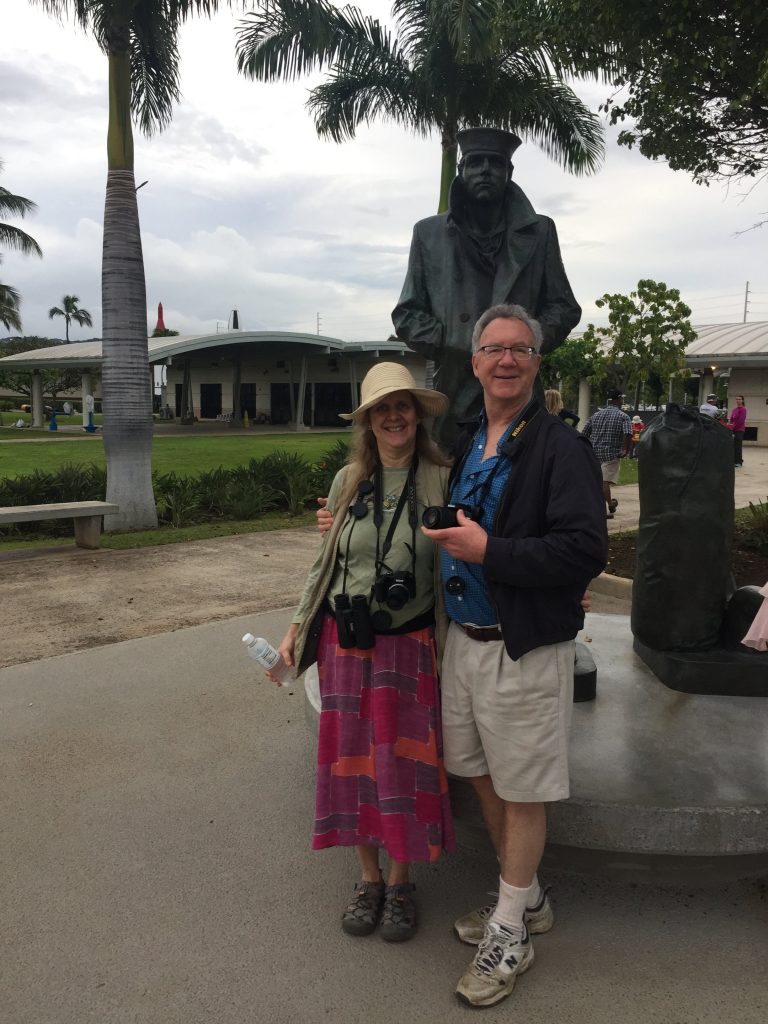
(86, 514)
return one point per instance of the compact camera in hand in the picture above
(394, 589)
(443, 517)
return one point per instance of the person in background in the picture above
(709, 408)
(737, 423)
(367, 616)
(637, 428)
(553, 401)
(610, 431)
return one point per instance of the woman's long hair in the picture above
(553, 400)
(364, 455)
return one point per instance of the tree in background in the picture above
(71, 311)
(451, 65)
(578, 358)
(55, 381)
(691, 78)
(648, 333)
(139, 39)
(14, 238)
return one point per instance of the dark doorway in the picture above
(210, 401)
(330, 400)
(248, 400)
(281, 403)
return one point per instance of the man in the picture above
(610, 431)
(513, 575)
(490, 247)
(709, 408)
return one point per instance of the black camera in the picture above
(353, 622)
(442, 517)
(394, 589)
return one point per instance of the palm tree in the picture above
(14, 238)
(139, 38)
(451, 65)
(71, 312)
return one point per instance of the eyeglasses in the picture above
(518, 352)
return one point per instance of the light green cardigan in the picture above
(431, 487)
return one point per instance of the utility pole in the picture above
(318, 323)
(746, 303)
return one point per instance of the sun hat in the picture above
(636, 419)
(383, 379)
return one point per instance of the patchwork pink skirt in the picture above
(380, 775)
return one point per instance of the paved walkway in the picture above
(156, 801)
(156, 804)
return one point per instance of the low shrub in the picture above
(757, 526)
(281, 480)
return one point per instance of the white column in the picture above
(706, 386)
(38, 417)
(300, 425)
(353, 382)
(86, 388)
(585, 393)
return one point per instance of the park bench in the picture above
(86, 514)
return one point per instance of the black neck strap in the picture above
(408, 494)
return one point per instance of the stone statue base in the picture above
(727, 670)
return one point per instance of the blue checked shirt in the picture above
(473, 606)
(606, 429)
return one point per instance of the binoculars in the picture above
(353, 622)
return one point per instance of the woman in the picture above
(553, 402)
(737, 423)
(367, 615)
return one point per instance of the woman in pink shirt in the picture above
(737, 423)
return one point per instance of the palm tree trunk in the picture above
(126, 382)
(449, 151)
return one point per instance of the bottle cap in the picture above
(248, 638)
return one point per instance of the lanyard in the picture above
(408, 494)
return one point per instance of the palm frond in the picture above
(10, 301)
(344, 102)
(16, 206)
(548, 112)
(294, 37)
(154, 58)
(15, 238)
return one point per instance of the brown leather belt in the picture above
(481, 633)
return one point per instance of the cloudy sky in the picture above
(246, 208)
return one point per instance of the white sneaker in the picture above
(500, 957)
(471, 927)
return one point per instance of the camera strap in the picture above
(408, 494)
(485, 487)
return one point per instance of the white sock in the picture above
(534, 893)
(511, 906)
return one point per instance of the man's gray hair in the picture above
(507, 312)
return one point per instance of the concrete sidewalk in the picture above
(156, 807)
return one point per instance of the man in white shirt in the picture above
(709, 408)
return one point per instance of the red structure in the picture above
(160, 322)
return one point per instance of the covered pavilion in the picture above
(231, 374)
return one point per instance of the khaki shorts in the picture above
(610, 471)
(508, 719)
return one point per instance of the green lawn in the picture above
(187, 456)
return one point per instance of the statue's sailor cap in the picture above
(487, 140)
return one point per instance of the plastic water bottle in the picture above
(264, 653)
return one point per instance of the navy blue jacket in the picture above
(549, 536)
